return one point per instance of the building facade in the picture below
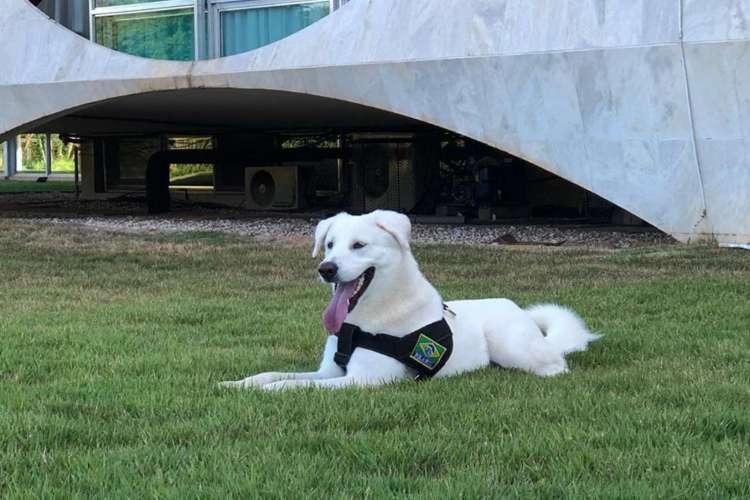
(160, 29)
(457, 106)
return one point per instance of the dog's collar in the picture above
(425, 350)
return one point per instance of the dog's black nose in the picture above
(328, 271)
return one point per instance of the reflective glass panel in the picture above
(158, 35)
(243, 30)
(191, 175)
(62, 156)
(33, 153)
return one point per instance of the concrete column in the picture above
(87, 169)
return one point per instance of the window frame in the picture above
(217, 7)
(137, 8)
(166, 146)
(206, 17)
(145, 8)
(14, 157)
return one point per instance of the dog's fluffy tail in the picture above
(563, 328)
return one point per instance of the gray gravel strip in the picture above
(296, 229)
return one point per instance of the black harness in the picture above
(425, 351)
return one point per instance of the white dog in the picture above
(378, 288)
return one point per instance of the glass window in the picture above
(33, 157)
(62, 156)
(158, 35)
(2, 157)
(73, 14)
(191, 142)
(191, 175)
(247, 29)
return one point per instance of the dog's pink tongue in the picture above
(338, 308)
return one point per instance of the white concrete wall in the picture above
(717, 52)
(644, 102)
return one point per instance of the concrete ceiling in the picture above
(217, 110)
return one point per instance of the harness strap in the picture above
(345, 346)
(425, 351)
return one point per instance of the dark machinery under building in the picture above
(427, 173)
(270, 151)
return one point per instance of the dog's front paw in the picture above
(231, 384)
(276, 386)
(285, 385)
(250, 382)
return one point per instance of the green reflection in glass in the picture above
(192, 175)
(33, 153)
(158, 35)
(62, 155)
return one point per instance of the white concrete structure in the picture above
(643, 102)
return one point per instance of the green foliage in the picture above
(187, 173)
(34, 154)
(191, 174)
(62, 155)
(111, 346)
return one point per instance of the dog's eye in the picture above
(329, 245)
(358, 245)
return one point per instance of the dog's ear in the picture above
(396, 224)
(321, 231)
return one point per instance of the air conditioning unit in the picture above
(272, 188)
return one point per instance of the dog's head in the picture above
(358, 251)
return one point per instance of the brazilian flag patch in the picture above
(427, 352)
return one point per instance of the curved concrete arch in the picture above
(639, 101)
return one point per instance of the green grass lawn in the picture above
(111, 347)
(15, 186)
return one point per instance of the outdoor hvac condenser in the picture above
(272, 188)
